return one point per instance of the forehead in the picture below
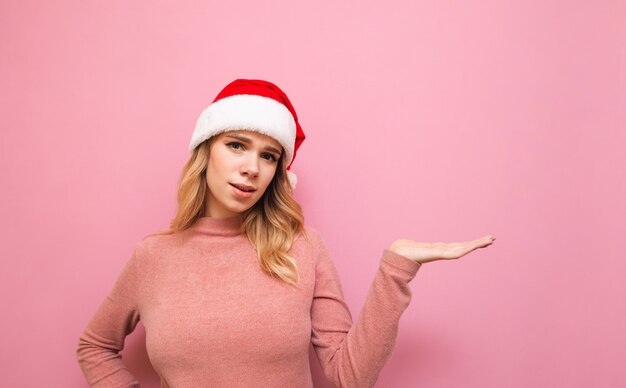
(254, 136)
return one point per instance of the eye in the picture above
(269, 157)
(234, 145)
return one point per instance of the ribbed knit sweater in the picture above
(213, 318)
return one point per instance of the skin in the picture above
(243, 160)
(250, 160)
(421, 252)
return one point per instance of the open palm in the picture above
(425, 252)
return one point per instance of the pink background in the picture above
(429, 120)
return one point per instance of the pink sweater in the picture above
(213, 318)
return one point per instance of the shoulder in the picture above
(153, 243)
(308, 248)
(312, 234)
(313, 238)
(149, 241)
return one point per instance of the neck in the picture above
(228, 226)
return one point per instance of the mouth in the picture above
(244, 188)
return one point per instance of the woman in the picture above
(234, 291)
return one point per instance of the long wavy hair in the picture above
(271, 225)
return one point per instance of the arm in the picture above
(103, 338)
(353, 355)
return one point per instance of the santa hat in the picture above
(254, 105)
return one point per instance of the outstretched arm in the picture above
(352, 355)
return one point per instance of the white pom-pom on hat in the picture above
(293, 179)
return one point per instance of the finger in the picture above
(485, 241)
(475, 244)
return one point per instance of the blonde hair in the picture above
(271, 225)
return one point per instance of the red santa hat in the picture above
(253, 105)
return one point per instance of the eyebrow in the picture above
(248, 141)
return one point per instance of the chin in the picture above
(239, 208)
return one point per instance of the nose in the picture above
(250, 166)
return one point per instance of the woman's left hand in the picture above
(425, 252)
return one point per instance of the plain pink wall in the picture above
(430, 120)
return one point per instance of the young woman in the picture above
(233, 293)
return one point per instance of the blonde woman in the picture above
(233, 293)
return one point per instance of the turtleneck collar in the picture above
(218, 226)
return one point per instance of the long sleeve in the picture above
(103, 338)
(353, 355)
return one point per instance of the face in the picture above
(241, 167)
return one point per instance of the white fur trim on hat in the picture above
(247, 112)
